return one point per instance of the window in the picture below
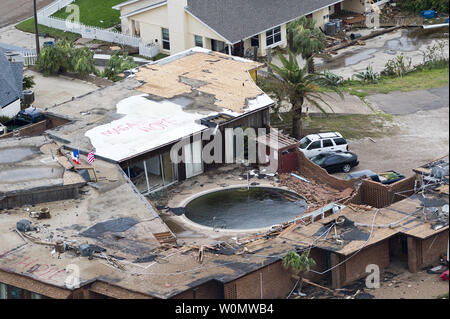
(218, 46)
(166, 39)
(332, 160)
(304, 143)
(198, 41)
(255, 41)
(327, 143)
(315, 145)
(11, 292)
(340, 141)
(273, 36)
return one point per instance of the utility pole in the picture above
(36, 29)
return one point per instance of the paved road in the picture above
(404, 103)
(13, 11)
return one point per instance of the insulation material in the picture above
(226, 78)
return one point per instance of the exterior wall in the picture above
(151, 24)
(274, 281)
(355, 268)
(38, 128)
(423, 253)
(11, 110)
(263, 44)
(195, 27)
(358, 6)
(378, 195)
(126, 22)
(177, 18)
(321, 17)
(40, 196)
(332, 8)
(209, 290)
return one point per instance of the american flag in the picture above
(91, 157)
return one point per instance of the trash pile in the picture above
(316, 194)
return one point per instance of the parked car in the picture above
(386, 178)
(315, 144)
(335, 162)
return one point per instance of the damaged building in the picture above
(94, 231)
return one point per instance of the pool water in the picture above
(242, 208)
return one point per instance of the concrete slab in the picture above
(11, 35)
(53, 90)
(403, 103)
(377, 51)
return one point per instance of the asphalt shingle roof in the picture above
(10, 80)
(236, 20)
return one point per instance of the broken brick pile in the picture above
(316, 194)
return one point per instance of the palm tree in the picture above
(295, 85)
(307, 41)
(300, 264)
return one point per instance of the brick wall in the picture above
(433, 248)
(277, 282)
(423, 253)
(38, 128)
(355, 268)
(209, 290)
(378, 195)
(313, 171)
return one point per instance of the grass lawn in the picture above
(356, 126)
(97, 13)
(417, 80)
(28, 26)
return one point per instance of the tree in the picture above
(308, 40)
(295, 85)
(117, 64)
(299, 264)
(419, 5)
(82, 61)
(63, 57)
(54, 59)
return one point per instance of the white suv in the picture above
(315, 144)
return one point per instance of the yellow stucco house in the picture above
(223, 25)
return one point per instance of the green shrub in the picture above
(399, 66)
(367, 76)
(333, 79)
(117, 64)
(63, 57)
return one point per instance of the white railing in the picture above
(90, 32)
(29, 58)
(148, 50)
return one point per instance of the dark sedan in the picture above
(335, 162)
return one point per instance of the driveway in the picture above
(18, 10)
(404, 103)
(423, 120)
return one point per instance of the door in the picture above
(337, 7)
(193, 159)
(314, 149)
(328, 145)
